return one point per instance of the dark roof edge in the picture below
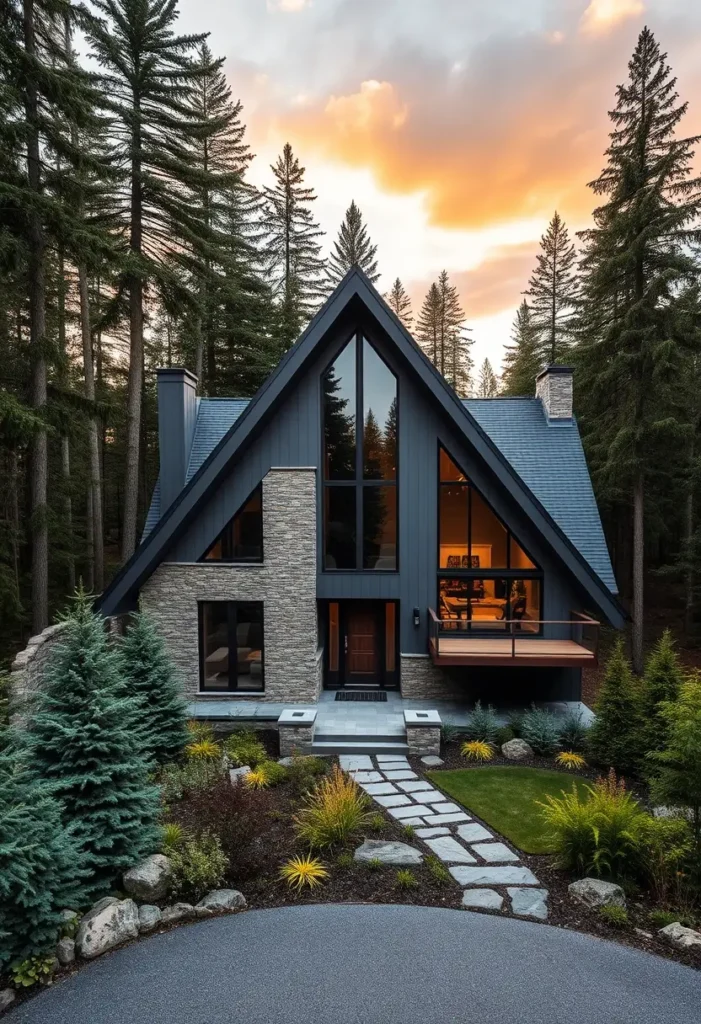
(554, 370)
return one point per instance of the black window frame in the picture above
(358, 482)
(239, 561)
(507, 574)
(232, 623)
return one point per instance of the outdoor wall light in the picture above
(417, 618)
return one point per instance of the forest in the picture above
(131, 238)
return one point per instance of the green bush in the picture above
(541, 730)
(192, 776)
(661, 918)
(304, 772)
(274, 772)
(334, 811)
(409, 832)
(438, 870)
(615, 737)
(244, 748)
(662, 681)
(199, 864)
(35, 970)
(503, 735)
(482, 724)
(617, 917)
(375, 864)
(345, 859)
(676, 770)
(573, 732)
(377, 822)
(406, 879)
(664, 848)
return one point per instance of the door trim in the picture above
(336, 679)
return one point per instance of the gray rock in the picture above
(105, 926)
(286, 762)
(106, 901)
(149, 917)
(516, 750)
(509, 874)
(236, 774)
(396, 854)
(680, 937)
(178, 912)
(70, 920)
(218, 900)
(150, 879)
(7, 998)
(432, 761)
(529, 903)
(482, 899)
(673, 812)
(593, 892)
(65, 951)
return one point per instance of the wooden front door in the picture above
(362, 659)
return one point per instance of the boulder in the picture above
(516, 750)
(236, 774)
(286, 762)
(593, 892)
(396, 854)
(65, 951)
(149, 917)
(432, 761)
(673, 812)
(178, 912)
(218, 900)
(109, 923)
(150, 879)
(680, 937)
(7, 998)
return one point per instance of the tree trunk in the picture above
(689, 580)
(68, 508)
(95, 531)
(638, 565)
(36, 244)
(136, 350)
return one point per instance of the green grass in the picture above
(506, 799)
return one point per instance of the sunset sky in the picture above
(458, 126)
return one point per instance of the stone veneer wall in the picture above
(285, 582)
(29, 665)
(421, 678)
(555, 392)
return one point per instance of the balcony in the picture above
(573, 642)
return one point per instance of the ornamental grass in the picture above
(333, 812)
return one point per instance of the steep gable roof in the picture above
(354, 288)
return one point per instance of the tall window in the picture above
(360, 461)
(485, 576)
(241, 540)
(231, 646)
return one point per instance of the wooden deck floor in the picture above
(500, 651)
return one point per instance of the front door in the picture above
(362, 646)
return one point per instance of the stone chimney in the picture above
(553, 386)
(177, 411)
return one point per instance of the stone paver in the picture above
(509, 874)
(450, 808)
(450, 850)
(432, 761)
(355, 762)
(390, 759)
(396, 776)
(495, 853)
(398, 854)
(363, 776)
(433, 798)
(412, 821)
(391, 766)
(482, 899)
(393, 800)
(474, 832)
(378, 788)
(416, 786)
(408, 811)
(529, 903)
(446, 819)
(428, 833)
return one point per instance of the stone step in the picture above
(356, 745)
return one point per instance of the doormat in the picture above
(378, 695)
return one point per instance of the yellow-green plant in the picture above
(406, 879)
(377, 822)
(333, 812)
(345, 859)
(200, 730)
(199, 864)
(438, 870)
(173, 836)
(204, 749)
(570, 760)
(244, 748)
(477, 750)
(36, 970)
(257, 778)
(617, 917)
(375, 864)
(301, 871)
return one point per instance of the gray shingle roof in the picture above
(544, 455)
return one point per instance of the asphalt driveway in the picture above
(370, 964)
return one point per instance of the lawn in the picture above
(506, 798)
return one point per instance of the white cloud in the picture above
(290, 6)
(602, 15)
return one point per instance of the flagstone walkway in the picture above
(490, 872)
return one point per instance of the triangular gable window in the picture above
(241, 540)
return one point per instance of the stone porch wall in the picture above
(420, 678)
(29, 665)
(285, 582)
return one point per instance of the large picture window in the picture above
(241, 540)
(486, 579)
(231, 646)
(360, 461)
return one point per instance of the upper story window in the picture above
(360, 460)
(241, 540)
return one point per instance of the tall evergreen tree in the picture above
(443, 335)
(632, 345)
(676, 777)
(661, 682)
(400, 303)
(521, 363)
(615, 738)
(487, 385)
(295, 263)
(352, 248)
(552, 290)
(428, 325)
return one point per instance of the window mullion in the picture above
(233, 649)
(360, 463)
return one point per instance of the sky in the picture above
(458, 126)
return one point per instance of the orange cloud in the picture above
(603, 15)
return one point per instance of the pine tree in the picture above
(83, 736)
(615, 737)
(400, 303)
(661, 681)
(443, 336)
(39, 861)
(521, 360)
(488, 385)
(352, 248)
(553, 292)
(676, 777)
(293, 235)
(632, 344)
(428, 325)
(152, 681)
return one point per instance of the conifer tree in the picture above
(615, 737)
(352, 248)
(487, 385)
(400, 303)
(552, 290)
(676, 778)
(661, 681)
(521, 360)
(292, 239)
(636, 259)
(428, 325)
(84, 740)
(443, 336)
(151, 680)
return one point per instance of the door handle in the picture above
(345, 644)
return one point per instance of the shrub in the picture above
(477, 750)
(199, 730)
(244, 748)
(438, 870)
(335, 810)
(503, 735)
(568, 759)
(662, 682)
(204, 750)
(449, 733)
(617, 917)
(661, 918)
(409, 832)
(35, 970)
(199, 864)
(482, 724)
(406, 879)
(614, 739)
(515, 720)
(665, 845)
(541, 730)
(257, 778)
(276, 773)
(301, 871)
(195, 776)
(173, 836)
(676, 772)
(573, 731)
(375, 864)
(376, 822)
(304, 771)
(345, 859)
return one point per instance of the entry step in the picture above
(359, 745)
